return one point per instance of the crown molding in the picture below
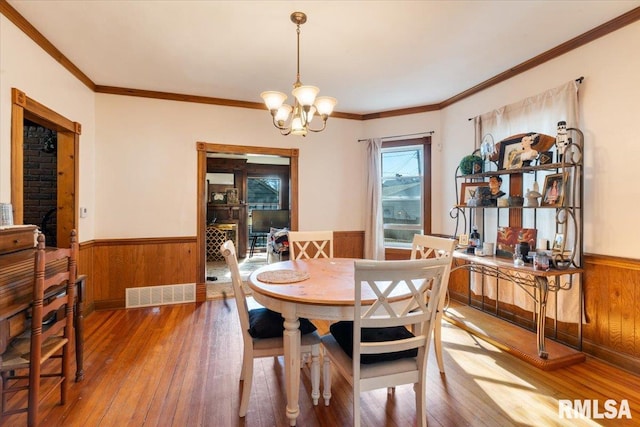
(608, 27)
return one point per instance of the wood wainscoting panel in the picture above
(85, 266)
(612, 310)
(348, 244)
(128, 263)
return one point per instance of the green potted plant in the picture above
(470, 164)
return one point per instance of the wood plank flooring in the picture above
(179, 366)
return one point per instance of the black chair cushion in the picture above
(343, 334)
(264, 323)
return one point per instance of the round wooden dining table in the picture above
(321, 288)
(317, 288)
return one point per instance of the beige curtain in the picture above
(540, 113)
(374, 231)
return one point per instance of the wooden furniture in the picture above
(217, 234)
(218, 214)
(50, 335)
(390, 322)
(255, 348)
(16, 289)
(425, 247)
(321, 241)
(558, 219)
(327, 294)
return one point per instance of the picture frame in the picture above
(232, 196)
(508, 238)
(558, 243)
(218, 197)
(506, 160)
(468, 190)
(553, 190)
(463, 240)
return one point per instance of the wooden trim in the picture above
(612, 261)
(23, 107)
(17, 162)
(581, 40)
(202, 149)
(600, 31)
(19, 21)
(142, 241)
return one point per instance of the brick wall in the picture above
(40, 181)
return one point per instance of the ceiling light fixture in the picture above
(296, 120)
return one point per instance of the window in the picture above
(405, 195)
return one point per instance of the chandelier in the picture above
(296, 120)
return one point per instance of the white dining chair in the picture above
(377, 350)
(259, 329)
(424, 247)
(310, 244)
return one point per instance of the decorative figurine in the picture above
(561, 139)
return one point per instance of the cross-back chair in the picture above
(49, 336)
(310, 244)
(425, 247)
(262, 334)
(377, 349)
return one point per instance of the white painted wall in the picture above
(609, 118)
(147, 165)
(138, 157)
(25, 66)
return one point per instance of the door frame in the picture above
(204, 148)
(23, 107)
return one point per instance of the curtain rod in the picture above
(429, 132)
(578, 80)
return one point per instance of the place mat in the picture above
(283, 276)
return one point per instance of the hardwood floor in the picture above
(179, 366)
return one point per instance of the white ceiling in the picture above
(371, 55)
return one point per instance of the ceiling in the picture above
(373, 56)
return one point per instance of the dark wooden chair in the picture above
(48, 340)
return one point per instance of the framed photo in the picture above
(469, 189)
(217, 197)
(553, 190)
(509, 237)
(508, 154)
(463, 240)
(558, 243)
(232, 196)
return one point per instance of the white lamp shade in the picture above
(296, 126)
(273, 99)
(283, 112)
(325, 105)
(306, 95)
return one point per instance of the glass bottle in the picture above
(474, 237)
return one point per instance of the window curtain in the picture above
(540, 113)
(374, 230)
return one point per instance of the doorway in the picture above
(205, 149)
(66, 168)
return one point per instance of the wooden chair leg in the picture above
(437, 341)
(246, 388)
